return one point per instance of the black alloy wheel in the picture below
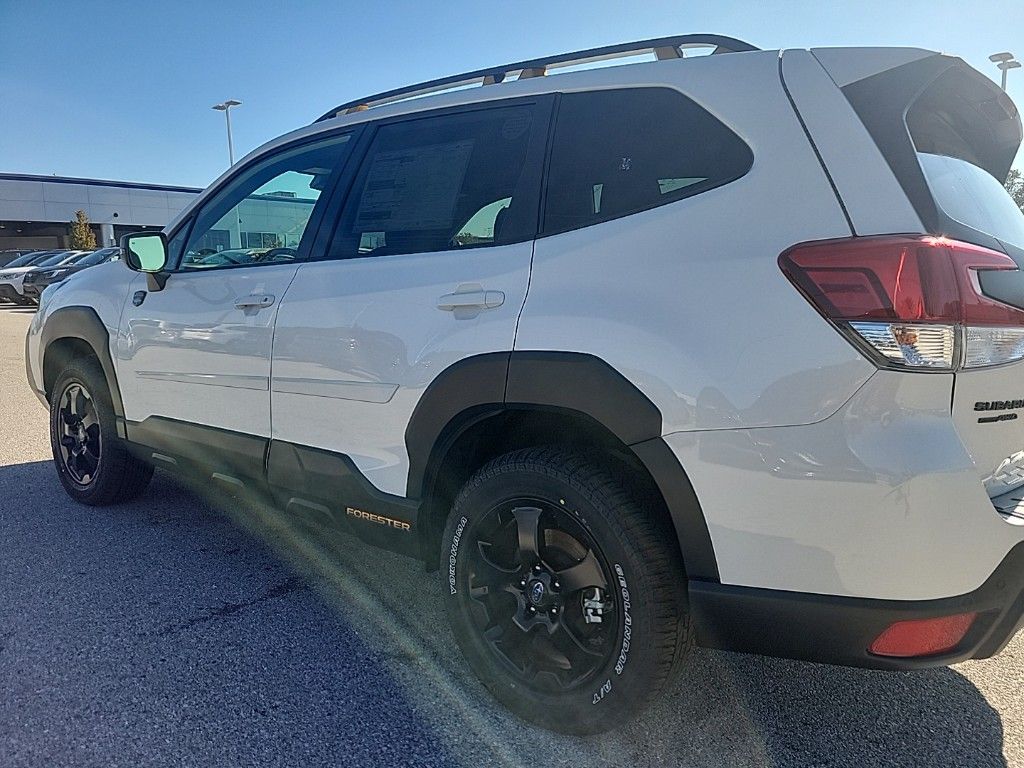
(565, 589)
(94, 465)
(79, 434)
(538, 594)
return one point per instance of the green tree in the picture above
(82, 236)
(1015, 186)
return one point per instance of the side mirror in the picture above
(147, 252)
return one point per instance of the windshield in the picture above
(96, 257)
(24, 260)
(54, 260)
(973, 197)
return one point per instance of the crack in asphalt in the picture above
(289, 585)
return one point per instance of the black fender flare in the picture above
(481, 386)
(83, 323)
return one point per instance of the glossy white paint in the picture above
(689, 305)
(880, 500)
(104, 288)
(848, 65)
(873, 198)
(15, 277)
(816, 472)
(991, 443)
(359, 340)
(188, 353)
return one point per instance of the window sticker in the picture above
(414, 188)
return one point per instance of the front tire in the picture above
(93, 463)
(566, 597)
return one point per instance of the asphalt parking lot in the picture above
(185, 630)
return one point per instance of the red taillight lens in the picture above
(923, 637)
(909, 298)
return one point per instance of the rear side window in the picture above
(973, 196)
(966, 132)
(443, 183)
(622, 151)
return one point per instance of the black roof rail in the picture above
(662, 47)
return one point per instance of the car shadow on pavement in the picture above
(196, 631)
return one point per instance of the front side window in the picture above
(442, 183)
(261, 217)
(618, 152)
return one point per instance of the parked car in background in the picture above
(6, 257)
(230, 257)
(12, 278)
(22, 263)
(36, 280)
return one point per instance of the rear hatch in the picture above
(950, 136)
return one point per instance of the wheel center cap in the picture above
(536, 591)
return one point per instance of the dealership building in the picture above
(36, 211)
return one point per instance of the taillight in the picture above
(912, 302)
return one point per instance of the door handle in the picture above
(254, 302)
(471, 300)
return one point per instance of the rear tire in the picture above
(93, 463)
(530, 538)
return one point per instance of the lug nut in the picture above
(533, 609)
(556, 585)
(536, 569)
(522, 582)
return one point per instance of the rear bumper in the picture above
(839, 630)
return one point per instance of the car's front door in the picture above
(429, 264)
(197, 353)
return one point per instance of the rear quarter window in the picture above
(618, 152)
(972, 196)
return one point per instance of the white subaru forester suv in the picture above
(722, 349)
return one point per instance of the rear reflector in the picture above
(911, 302)
(923, 637)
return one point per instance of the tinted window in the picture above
(619, 152)
(442, 183)
(973, 197)
(96, 257)
(54, 260)
(274, 198)
(24, 260)
(43, 257)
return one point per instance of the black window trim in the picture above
(311, 234)
(543, 105)
(691, 191)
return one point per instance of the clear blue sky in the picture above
(123, 90)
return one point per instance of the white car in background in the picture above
(12, 278)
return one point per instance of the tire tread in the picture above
(671, 630)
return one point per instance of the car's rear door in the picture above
(196, 354)
(429, 264)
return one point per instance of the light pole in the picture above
(225, 107)
(1005, 61)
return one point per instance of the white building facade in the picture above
(36, 211)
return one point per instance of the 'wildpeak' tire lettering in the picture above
(627, 628)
